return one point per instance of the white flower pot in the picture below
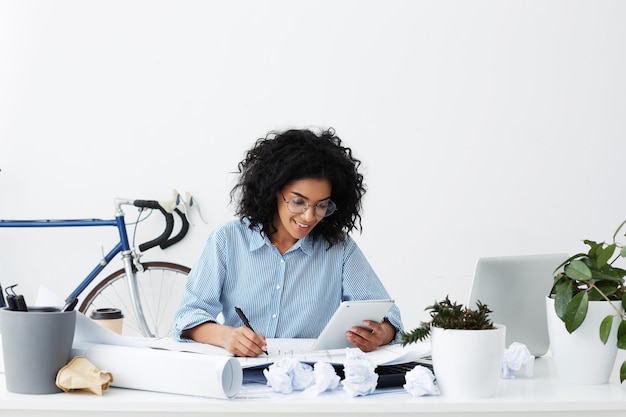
(467, 363)
(581, 357)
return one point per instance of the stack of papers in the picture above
(298, 349)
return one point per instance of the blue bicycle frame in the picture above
(122, 246)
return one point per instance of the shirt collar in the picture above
(259, 239)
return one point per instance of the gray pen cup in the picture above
(111, 318)
(36, 344)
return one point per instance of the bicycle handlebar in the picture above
(163, 240)
(183, 231)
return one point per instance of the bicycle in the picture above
(147, 293)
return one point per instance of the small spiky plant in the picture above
(448, 315)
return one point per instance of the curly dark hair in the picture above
(282, 157)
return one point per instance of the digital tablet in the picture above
(347, 315)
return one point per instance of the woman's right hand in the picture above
(240, 341)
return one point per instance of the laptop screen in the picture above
(515, 289)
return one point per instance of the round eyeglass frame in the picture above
(330, 209)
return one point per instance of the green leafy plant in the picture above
(450, 315)
(593, 276)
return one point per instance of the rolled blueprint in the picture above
(215, 376)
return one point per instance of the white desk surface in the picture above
(541, 395)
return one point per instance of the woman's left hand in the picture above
(371, 335)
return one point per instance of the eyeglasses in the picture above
(299, 205)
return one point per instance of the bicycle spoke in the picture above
(160, 288)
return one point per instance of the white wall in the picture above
(485, 127)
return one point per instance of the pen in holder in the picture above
(2, 301)
(15, 302)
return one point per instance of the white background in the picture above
(485, 127)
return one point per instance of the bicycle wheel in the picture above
(161, 286)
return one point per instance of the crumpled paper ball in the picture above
(360, 378)
(288, 374)
(420, 381)
(517, 361)
(81, 374)
(326, 379)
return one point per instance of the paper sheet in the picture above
(86, 330)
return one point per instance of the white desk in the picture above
(541, 395)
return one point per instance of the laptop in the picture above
(515, 289)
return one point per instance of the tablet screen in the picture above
(347, 315)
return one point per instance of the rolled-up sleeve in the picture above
(201, 298)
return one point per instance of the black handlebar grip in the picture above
(169, 224)
(184, 228)
(153, 204)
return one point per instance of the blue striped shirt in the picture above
(292, 295)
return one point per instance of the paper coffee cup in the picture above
(111, 318)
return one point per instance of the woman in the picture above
(289, 261)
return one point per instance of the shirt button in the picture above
(273, 316)
(282, 261)
(278, 287)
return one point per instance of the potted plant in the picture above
(466, 348)
(588, 296)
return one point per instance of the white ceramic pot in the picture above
(581, 357)
(467, 363)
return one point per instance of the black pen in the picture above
(2, 302)
(246, 322)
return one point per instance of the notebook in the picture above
(515, 289)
